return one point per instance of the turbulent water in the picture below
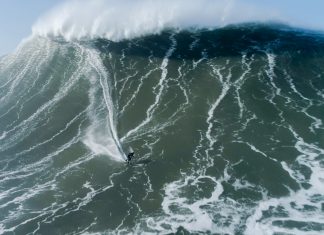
(226, 125)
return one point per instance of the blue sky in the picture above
(18, 16)
(308, 11)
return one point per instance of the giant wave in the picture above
(227, 125)
(117, 20)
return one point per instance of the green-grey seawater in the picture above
(226, 125)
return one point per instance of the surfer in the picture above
(129, 157)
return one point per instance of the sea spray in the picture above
(118, 20)
(102, 141)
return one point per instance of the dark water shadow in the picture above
(139, 162)
(230, 41)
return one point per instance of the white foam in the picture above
(124, 19)
(240, 81)
(3, 135)
(102, 140)
(294, 204)
(225, 88)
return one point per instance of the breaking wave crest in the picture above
(117, 20)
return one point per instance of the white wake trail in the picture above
(96, 139)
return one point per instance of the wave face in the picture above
(226, 124)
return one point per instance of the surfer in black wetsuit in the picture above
(129, 157)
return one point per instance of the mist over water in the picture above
(226, 123)
(127, 19)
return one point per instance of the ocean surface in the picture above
(226, 125)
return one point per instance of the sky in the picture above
(18, 16)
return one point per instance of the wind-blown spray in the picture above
(117, 20)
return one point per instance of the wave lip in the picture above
(126, 19)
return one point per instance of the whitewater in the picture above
(222, 102)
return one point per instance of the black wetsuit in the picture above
(129, 157)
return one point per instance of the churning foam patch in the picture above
(125, 19)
